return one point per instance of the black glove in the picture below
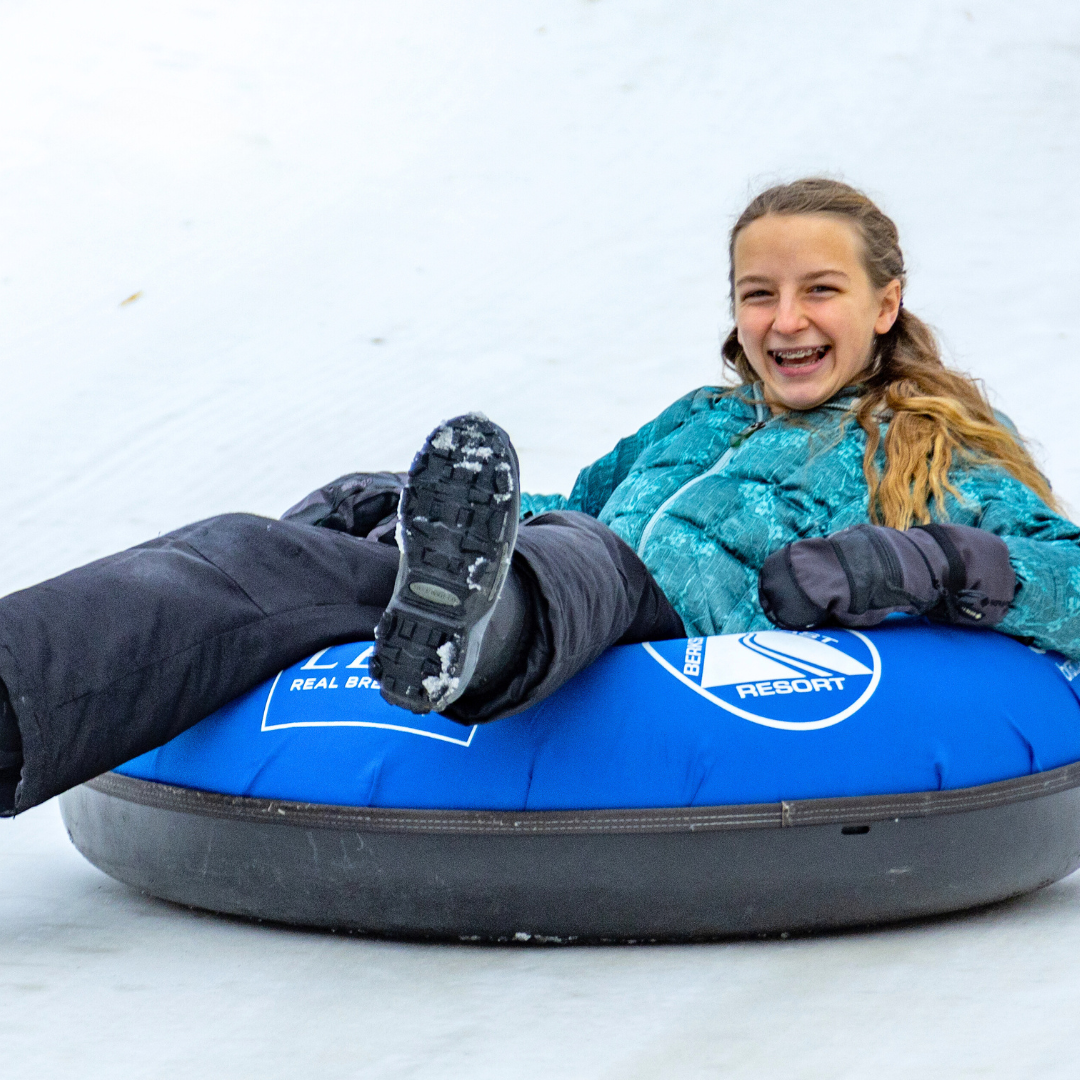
(951, 573)
(361, 504)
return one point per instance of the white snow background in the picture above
(347, 220)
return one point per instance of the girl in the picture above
(848, 476)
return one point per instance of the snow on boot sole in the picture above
(457, 524)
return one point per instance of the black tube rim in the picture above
(786, 814)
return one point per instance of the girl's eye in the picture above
(823, 290)
(755, 294)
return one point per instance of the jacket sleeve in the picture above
(596, 482)
(1044, 549)
(539, 504)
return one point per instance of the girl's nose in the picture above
(790, 317)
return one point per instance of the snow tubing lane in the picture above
(689, 789)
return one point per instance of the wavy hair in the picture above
(932, 413)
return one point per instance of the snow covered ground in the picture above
(342, 220)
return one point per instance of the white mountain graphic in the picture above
(772, 654)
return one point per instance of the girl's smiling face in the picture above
(806, 312)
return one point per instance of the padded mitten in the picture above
(950, 573)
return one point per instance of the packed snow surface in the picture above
(248, 247)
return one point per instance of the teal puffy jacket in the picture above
(715, 483)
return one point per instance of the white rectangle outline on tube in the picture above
(356, 723)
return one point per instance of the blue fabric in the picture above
(750, 718)
(799, 475)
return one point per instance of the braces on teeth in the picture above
(782, 356)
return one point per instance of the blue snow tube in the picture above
(744, 783)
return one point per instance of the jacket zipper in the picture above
(761, 418)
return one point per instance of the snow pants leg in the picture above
(110, 660)
(589, 591)
(117, 657)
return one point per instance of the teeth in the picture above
(795, 356)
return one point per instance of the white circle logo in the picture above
(781, 679)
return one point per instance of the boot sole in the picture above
(457, 525)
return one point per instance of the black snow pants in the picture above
(117, 657)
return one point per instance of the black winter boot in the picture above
(506, 642)
(361, 504)
(457, 523)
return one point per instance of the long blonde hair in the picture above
(932, 412)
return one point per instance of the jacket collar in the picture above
(842, 401)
